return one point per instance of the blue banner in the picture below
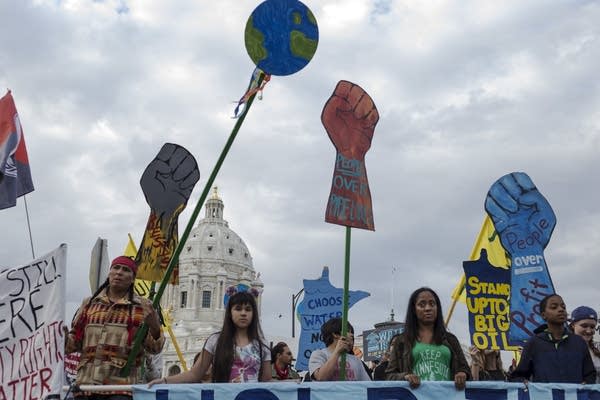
(524, 220)
(387, 390)
(321, 302)
(488, 291)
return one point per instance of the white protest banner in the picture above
(32, 313)
(379, 390)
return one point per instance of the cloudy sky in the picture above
(468, 91)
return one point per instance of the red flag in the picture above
(15, 176)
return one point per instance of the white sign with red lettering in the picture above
(32, 313)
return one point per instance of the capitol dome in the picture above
(213, 241)
(213, 258)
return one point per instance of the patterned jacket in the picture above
(108, 336)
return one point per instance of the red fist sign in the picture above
(349, 117)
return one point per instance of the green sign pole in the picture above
(345, 301)
(141, 333)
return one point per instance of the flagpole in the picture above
(29, 226)
(345, 301)
(452, 306)
(392, 291)
(141, 333)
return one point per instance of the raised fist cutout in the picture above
(349, 117)
(167, 183)
(525, 221)
(169, 180)
(521, 215)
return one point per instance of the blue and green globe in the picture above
(281, 36)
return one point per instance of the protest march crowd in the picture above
(561, 351)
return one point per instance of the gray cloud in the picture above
(466, 95)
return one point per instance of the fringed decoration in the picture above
(253, 88)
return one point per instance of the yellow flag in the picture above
(487, 239)
(141, 286)
(130, 249)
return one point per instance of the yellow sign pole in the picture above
(167, 317)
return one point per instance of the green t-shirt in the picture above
(431, 362)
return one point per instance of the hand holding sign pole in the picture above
(349, 117)
(525, 221)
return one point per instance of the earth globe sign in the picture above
(281, 36)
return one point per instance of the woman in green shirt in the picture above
(426, 351)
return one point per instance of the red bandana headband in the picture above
(126, 261)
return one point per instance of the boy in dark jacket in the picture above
(554, 354)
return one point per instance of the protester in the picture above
(554, 354)
(583, 323)
(323, 364)
(486, 365)
(426, 350)
(281, 363)
(237, 353)
(103, 330)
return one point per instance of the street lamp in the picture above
(294, 304)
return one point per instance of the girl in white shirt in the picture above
(237, 353)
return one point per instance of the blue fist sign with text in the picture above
(525, 221)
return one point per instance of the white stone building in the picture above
(213, 258)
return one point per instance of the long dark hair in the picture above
(224, 351)
(411, 324)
